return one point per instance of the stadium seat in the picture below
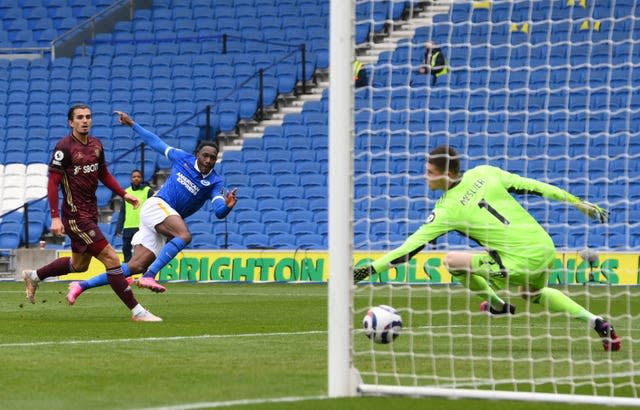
(204, 241)
(281, 241)
(270, 204)
(275, 228)
(9, 240)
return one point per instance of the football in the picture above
(382, 324)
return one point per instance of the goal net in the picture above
(546, 89)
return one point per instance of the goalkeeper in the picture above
(479, 205)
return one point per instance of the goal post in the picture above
(561, 112)
(340, 180)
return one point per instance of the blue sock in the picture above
(102, 279)
(168, 252)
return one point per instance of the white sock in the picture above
(33, 276)
(138, 309)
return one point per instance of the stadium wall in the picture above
(309, 266)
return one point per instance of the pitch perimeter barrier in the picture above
(311, 266)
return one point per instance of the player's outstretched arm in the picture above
(593, 211)
(148, 137)
(516, 183)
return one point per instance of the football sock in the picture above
(58, 267)
(102, 279)
(121, 287)
(480, 285)
(168, 252)
(556, 301)
(137, 309)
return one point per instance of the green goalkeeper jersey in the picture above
(482, 208)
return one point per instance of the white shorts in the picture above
(153, 212)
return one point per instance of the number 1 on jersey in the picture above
(484, 204)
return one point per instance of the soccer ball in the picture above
(382, 324)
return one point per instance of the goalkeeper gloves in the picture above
(593, 211)
(362, 273)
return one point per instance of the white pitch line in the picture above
(231, 403)
(156, 339)
(202, 337)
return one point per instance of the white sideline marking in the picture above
(175, 338)
(231, 403)
(157, 339)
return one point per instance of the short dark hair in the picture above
(207, 143)
(136, 170)
(76, 107)
(445, 158)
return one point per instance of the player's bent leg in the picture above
(74, 291)
(556, 301)
(507, 309)
(166, 254)
(151, 284)
(145, 316)
(31, 280)
(610, 340)
(473, 270)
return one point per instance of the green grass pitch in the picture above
(240, 346)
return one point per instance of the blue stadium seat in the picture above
(257, 241)
(287, 180)
(250, 228)
(283, 240)
(276, 228)
(204, 241)
(274, 216)
(311, 241)
(9, 240)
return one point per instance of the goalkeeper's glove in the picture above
(362, 273)
(593, 211)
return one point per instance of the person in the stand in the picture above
(360, 76)
(434, 62)
(129, 217)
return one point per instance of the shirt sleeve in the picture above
(220, 207)
(437, 224)
(151, 139)
(521, 185)
(55, 178)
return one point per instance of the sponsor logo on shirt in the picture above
(85, 168)
(188, 184)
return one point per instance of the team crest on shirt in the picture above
(92, 233)
(204, 182)
(430, 218)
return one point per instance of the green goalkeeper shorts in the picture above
(532, 270)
